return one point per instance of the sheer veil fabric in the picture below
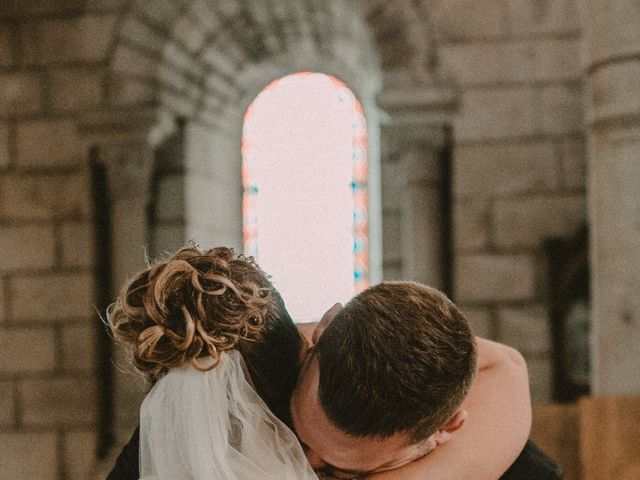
(213, 426)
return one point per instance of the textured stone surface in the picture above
(6, 50)
(392, 235)
(519, 61)
(20, 94)
(62, 41)
(614, 216)
(76, 243)
(559, 109)
(78, 346)
(3, 301)
(42, 197)
(7, 404)
(40, 463)
(51, 297)
(75, 89)
(170, 198)
(540, 378)
(26, 247)
(481, 321)
(528, 17)
(612, 29)
(481, 19)
(4, 145)
(502, 169)
(472, 224)
(58, 401)
(47, 143)
(526, 329)
(614, 90)
(494, 278)
(526, 223)
(79, 453)
(573, 163)
(505, 112)
(26, 350)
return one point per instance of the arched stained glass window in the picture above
(304, 175)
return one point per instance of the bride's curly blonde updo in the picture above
(193, 305)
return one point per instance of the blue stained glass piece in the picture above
(355, 185)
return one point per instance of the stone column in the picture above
(422, 219)
(415, 127)
(123, 148)
(612, 54)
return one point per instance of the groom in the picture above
(384, 385)
(388, 380)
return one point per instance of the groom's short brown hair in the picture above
(400, 357)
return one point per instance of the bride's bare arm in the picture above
(496, 430)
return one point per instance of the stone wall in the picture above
(49, 74)
(519, 161)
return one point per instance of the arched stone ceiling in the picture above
(195, 57)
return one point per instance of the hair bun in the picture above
(193, 304)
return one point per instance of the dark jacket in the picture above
(532, 464)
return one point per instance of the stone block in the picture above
(27, 247)
(504, 169)
(528, 17)
(526, 329)
(42, 197)
(48, 143)
(170, 198)
(168, 238)
(514, 61)
(31, 456)
(139, 34)
(499, 113)
(4, 146)
(528, 222)
(481, 321)
(392, 271)
(122, 90)
(392, 235)
(79, 347)
(540, 379)
(20, 93)
(131, 62)
(3, 302)
(612, 29)
(7, 404)
(79, 454)
(460, 20)
(63, 401)
(76, 39)
(573, 163)
(6, 50)
(51, 297)
(75, 89)
(487, 278)
(559, 109)
(471, 224)
(41, 8)
(76, 241)
(614, 90)
(26, 350)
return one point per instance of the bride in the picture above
(213, 336)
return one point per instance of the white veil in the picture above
(213, 426)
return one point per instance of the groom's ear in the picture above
(326, 319)
(443, 435)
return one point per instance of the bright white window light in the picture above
(298, 174)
